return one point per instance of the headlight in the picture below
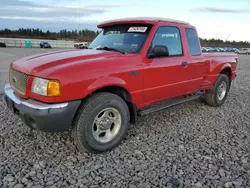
(50, 88)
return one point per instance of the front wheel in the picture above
(218, 94)
(102, 123)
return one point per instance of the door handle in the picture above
(184, 64)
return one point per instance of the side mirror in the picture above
(159, 51)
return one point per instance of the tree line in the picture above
(81, 35)
(221, 43)
(88, 35)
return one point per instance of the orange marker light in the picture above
(53, 89)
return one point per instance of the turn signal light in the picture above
(53, 89)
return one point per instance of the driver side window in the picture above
(168, 36)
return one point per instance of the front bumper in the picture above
(42, 116)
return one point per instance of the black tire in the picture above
(82, 129)
(211, 96)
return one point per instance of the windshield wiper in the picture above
(109, 49)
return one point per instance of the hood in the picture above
(37, 63)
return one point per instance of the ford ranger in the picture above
(135, 66)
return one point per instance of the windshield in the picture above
(123, 38)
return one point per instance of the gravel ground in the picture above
(191, 145)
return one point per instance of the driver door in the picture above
(166, 77)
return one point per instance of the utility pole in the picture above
(228, 37)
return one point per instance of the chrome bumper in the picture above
(29, 102)
(41, 116)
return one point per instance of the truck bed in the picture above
(218, 54)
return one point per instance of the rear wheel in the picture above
(218, 94)
(102, 123)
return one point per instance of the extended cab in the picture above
(130, 67)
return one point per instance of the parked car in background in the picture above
(230, 49)
(211, 49)
(218, 49)
(222, 49)
(2, 44)
(44, 45)
(76, 45)
(204, 49)
(243, 51)
(83, 45)
(235, 49)
(207, 49)
(226, 49)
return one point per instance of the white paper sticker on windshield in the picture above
(137, 29)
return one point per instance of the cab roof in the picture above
(146, 20)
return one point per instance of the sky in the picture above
(220, 19)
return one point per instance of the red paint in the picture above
(81, 72)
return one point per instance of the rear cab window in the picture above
(193, 42)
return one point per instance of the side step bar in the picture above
(170, 103)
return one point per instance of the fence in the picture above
(35, 43)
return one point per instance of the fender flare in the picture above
(225, 66)
(113, 82)
(105, 82)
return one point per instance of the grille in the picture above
(18, 81)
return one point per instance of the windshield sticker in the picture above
(134, 45)
(113, 32)
(137, 29)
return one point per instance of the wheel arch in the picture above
(124, 94)
(117, 88)
(227, 70)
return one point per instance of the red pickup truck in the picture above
(135, 66)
